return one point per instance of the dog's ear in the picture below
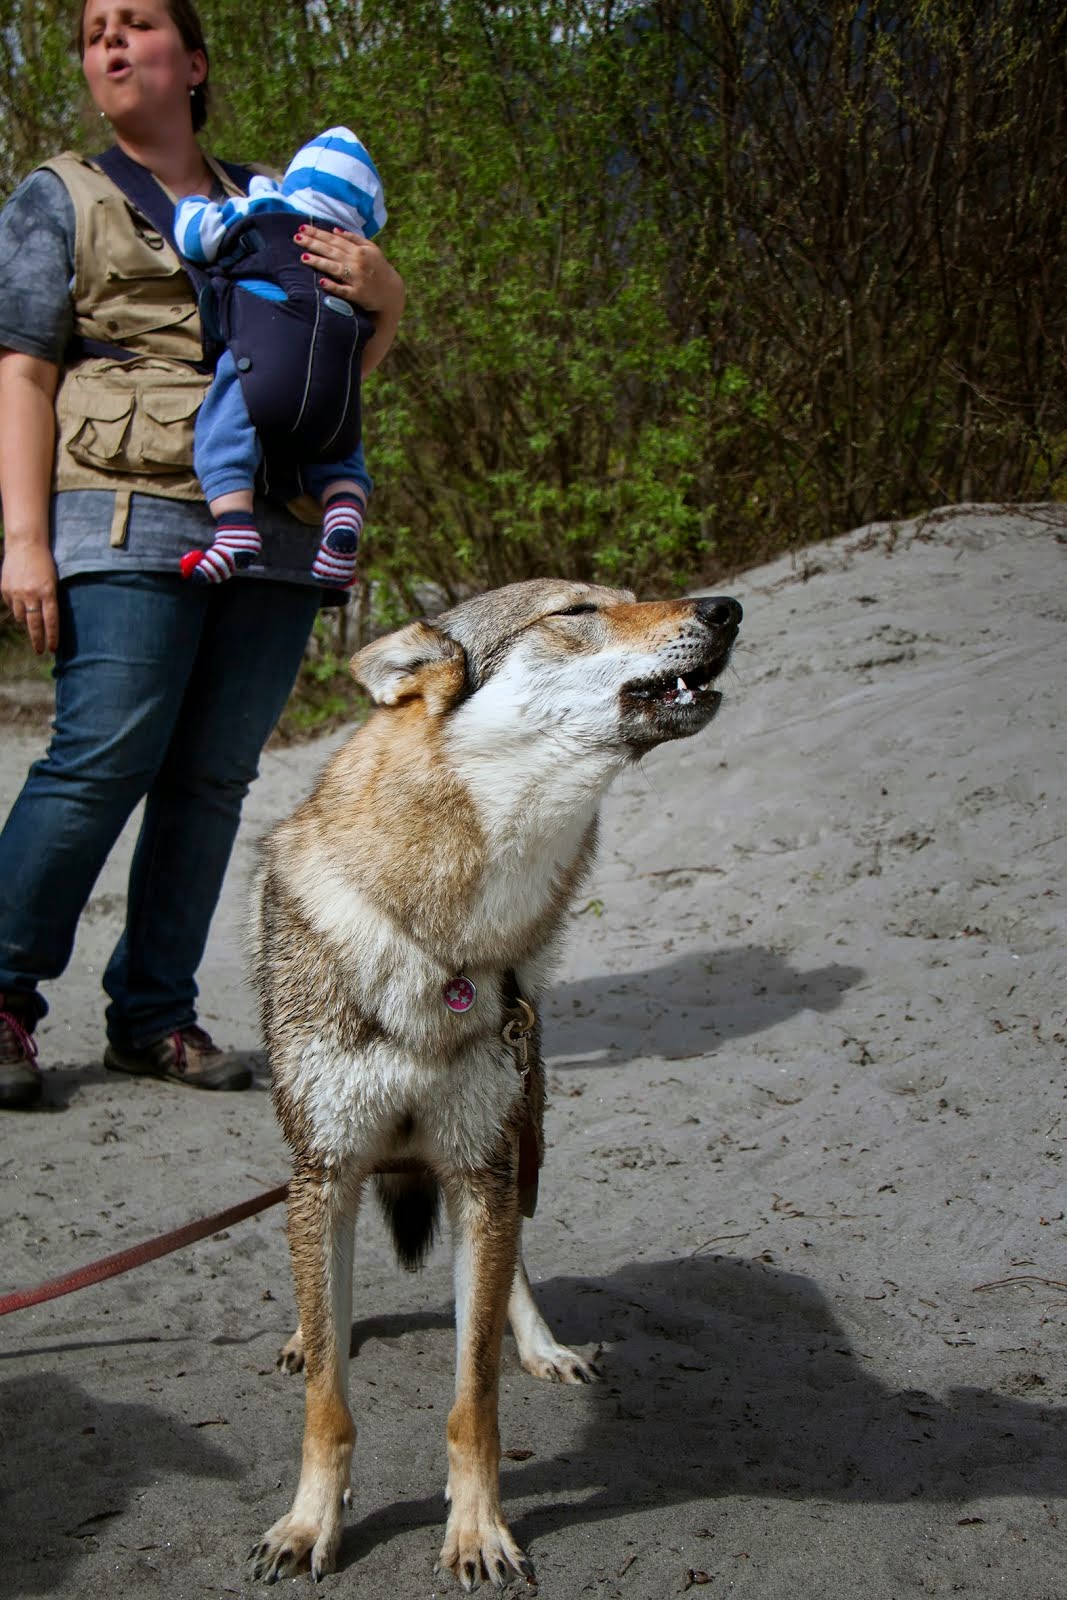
(415, 662)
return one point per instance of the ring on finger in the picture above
(33, 611)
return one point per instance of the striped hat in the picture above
(334, 177)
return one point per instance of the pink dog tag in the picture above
(460, 994)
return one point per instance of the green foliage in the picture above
(326, 694)
(687, 283)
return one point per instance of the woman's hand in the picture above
(28, 585)
(358, 271)
(352, 267)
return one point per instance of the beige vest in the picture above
(127, 426)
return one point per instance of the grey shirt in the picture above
(37, 237)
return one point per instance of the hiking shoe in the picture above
(189, 1056)
(20, 1077)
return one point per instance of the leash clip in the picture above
(516, 1035)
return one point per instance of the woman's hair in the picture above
(186, 19)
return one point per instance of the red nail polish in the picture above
(305, 257)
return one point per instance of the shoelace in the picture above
(200, 1040)
(25, 1041)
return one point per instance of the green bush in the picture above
(688, 284)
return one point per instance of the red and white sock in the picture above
(236, 545)
(342, 524)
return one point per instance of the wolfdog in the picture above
(407, 916)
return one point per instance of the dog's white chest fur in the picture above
(454, 1112)
(447, 1074)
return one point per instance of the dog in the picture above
(406, 919)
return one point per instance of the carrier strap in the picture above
(149, 198)
(147, 194)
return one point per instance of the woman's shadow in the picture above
(72, 1462)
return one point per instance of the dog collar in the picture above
(460, 993)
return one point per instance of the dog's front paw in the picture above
(559, 1365)
(295, 1545)
(480, 1546)
(291, 1355)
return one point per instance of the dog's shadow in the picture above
(686, 1007)
(726, 1377)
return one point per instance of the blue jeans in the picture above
(165, 691)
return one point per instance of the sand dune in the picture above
(808, 1099)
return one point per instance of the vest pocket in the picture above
(133, 249)
(164, 424)
(103, 425)
(131, 417)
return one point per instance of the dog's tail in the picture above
(411, 1206)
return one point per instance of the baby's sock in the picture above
(236, 545)
(335, 559)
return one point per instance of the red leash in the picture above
(111, 1266)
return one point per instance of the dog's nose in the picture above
(720, 611)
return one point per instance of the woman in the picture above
(165, 690)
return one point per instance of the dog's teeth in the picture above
(685, 695)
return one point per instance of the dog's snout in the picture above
(720, 611)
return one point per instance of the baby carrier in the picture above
(298, 359)
(297, 352)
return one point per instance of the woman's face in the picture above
(136, 63)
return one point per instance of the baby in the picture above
(286, 391)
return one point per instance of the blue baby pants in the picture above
(226, 448)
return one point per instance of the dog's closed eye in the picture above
(575, 611)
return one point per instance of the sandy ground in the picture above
(804, 1190)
